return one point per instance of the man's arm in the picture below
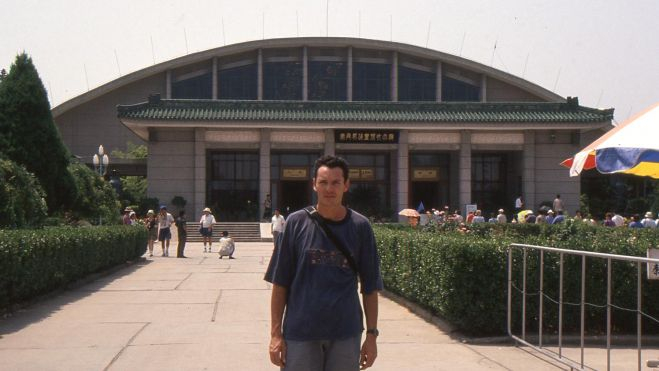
(277, 342)
(369, 348)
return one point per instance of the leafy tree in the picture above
(179, 202)
(97, 200)
(22, 201)
(29, 136)
(133, 151)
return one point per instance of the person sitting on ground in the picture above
(227, 246)
(549, 219)
(578, 216)
(530, 218)
(648, 222)
(618, 219)
(478, 217)
(462, 228)
(608, 222)
(635, 223)
(493, 218)
(560, 218)
(541, 218)
(501, 218)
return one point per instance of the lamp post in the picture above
(101, 161)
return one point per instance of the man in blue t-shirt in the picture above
(315, 286)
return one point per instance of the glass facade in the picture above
(290, 175)
(233, 185)
(200, 87)
(238, 83)
(327, 81)
(371, 82)
(429, 180)
(415, 85)
(458, 91)
(489, 181)
(282, 81)
(369, 192)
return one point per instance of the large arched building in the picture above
(227, 126)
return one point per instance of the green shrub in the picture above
(22, 202)
(34, 262)
(96, 199)
(464, 278)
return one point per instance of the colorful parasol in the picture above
(629, 148)
(408, 212)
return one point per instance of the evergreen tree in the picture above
(29, 136)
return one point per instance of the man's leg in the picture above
(303, 355)
(343, 355)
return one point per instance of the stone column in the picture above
(199, 201)
(528, 170)
(168, 84)
(349, 76)
(394, 77)
(465, 170)
(305, 74)
(403, 168)
(438, 82)
(483, 88)
(215, 78)
(264, 169)
(259, 76)
(330, 145)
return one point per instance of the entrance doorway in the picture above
(429, 194)
(294, 195)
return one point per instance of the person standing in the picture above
(557, 205)
(277, 226)
(519, 205)
(182, 234)
(316, 317)
(206, 228)
(267, 207)
(151, 225)
(165, 221)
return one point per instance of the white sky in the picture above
(606, 52)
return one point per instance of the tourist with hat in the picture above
(648, 222)
(126, 217)
(206, 228)
(165, 221)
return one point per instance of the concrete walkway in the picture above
(203, 313)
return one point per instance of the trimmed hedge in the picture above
(464, 278)
(34, 262)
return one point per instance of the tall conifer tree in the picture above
(29, 135)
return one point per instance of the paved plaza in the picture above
(203, 313)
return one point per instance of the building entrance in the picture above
(294, 195)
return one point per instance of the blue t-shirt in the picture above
(323, 301)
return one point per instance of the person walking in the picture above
(151, 225)
(267, 207)
(165, 221)
(277, 226)
(316, 317)
(206, 228)
(182, 234)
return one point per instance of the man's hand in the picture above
(278, 351)
(369, 352)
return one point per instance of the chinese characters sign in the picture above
(366, 136)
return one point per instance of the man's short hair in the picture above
(331, 162)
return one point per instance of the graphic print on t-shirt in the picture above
(324, 257)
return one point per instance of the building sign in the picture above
(294, 173)
(425, 174)
(366, 136)
(362, 173)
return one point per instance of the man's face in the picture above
(330, 186)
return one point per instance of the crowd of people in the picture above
(159, 229)
(544, 215)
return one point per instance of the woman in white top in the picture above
(206, 228)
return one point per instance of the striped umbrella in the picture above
(629, 148)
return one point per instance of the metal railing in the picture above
(579, 365)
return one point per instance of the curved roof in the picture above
(309, 42)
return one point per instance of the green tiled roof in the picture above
(222, 110)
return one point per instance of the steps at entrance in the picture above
(239, 231)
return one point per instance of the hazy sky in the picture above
(606, 52)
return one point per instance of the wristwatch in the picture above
(373, 331)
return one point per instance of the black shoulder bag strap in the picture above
(313, 214)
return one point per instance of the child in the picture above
(227, 247)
